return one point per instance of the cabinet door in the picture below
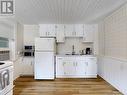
(59, 67)
(69, 68)
(43, 30)
(51, 30)
(91, 64)
(47, 30)
(80, 68)
(69, 30)
(79, 29)
(28, 66)
(88, 35)
(60, 33)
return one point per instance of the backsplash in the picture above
(66, 47)
(4, 55)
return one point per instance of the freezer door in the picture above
(44, 65)
(45, 44)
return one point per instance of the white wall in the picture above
(114, 71)
(13, 30)
(18, 49)
(66, 47)
(112, 63)
(101, 34)
(19, 37)
(116, 34)
(30, 33)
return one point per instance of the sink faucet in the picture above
(73, 50)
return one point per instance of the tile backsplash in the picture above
(66, 47)
(4, 55)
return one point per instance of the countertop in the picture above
(7, 64)
(64, 55)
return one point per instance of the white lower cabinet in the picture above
(80, 68)
(91, 67)
(28, 66)
(71, 67)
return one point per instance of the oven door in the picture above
(6, 80)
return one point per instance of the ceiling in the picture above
(64, 11)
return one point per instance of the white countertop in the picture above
(63, 55)
(7, 64)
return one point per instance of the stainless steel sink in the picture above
(72, 54)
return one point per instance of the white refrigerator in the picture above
(44, 58)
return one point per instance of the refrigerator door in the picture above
(44, 65)
(45, 44)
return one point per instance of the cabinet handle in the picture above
(46, 33)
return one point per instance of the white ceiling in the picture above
(64, 11)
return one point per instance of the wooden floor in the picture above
(29, 86)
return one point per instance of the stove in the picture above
(6, 78)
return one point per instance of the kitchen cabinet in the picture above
(60, 35)
(59, 67)
(91, 67)
(65, 67)
(76, 67)
(7, 28)
(30, 33)
(72, 30)
(47, 30)
(69, 68)
(27, 66)
(79, 29)
(69, 30)
(88, 35)
(80, 68)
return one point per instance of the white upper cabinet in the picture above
(79, 29)
(47, 30)
(72, 30)
(88, 35)
(69, 30)
(60, 35)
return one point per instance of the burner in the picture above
(1, 63)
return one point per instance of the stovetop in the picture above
(4, 64)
